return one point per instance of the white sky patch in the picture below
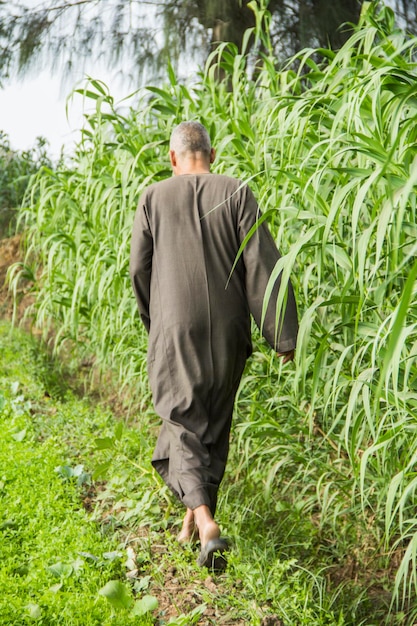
(33, 108)
(37, 106)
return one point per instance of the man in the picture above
(195, 301)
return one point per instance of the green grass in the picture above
(53, 558)
(58, 450)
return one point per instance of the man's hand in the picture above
(287, 356)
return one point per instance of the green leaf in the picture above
(112, 556)
(34, 611)
(397, 326)
(61, 570)
(118, 433)
(145, 605)
(191, 618)
(101, 469)
(104, 443)
(20, 435)
(142, 584)
(9, 525)
(77, 472)
(117, 594)
(89, 556)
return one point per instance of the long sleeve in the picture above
(141, 252)
(260, 257)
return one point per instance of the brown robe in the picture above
(186, 235)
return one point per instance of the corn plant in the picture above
(328, 144)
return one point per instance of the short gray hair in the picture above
(190, 137)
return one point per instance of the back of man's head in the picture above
(190, 137)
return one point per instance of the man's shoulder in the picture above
(160, 184)
(174, 183)
(227, 180)
(230, 182)
(177, 180)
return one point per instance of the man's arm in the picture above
(260, 257)
(140, 267)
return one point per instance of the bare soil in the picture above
(11, 253)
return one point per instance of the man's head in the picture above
(190, 149)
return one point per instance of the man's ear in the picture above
(173, 158)
(212, 155)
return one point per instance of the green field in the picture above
(319, 497)
(66, 533)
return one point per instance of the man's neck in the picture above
(190, 165)
(192, 169)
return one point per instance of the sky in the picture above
(32, 107)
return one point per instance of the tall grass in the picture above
(328, 144)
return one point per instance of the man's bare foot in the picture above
(211, 531)
(189, 531)
(213, 547)
(208, 529)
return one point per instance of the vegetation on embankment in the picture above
(323, 451)
(75, 549)
(54, 560)
(16, 168)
